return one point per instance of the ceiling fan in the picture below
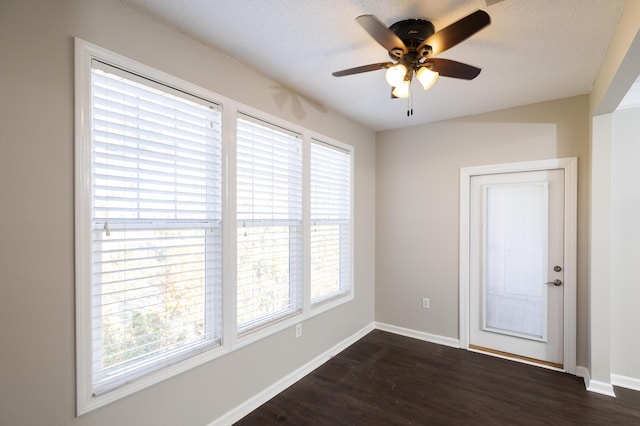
(412, 43)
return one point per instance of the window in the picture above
(155, 226)
(330, 221)
(269, 213)
(153, 167)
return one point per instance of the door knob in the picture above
(555, 282)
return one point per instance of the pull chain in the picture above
(409, 104)
(409, 101)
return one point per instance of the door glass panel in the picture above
(515, 243)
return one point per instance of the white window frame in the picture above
(129, 224)
(280, 143)
(309, 310)
(345, 223)
(230, 340)
(87, 396)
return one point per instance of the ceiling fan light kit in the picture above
(396, 74)
(401, 90)
(412, 43)
(426, 77)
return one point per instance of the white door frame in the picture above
(570, 167)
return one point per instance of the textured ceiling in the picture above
(533, 51)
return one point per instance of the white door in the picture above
(516, 246)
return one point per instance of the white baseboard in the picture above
(433, 338)
(616, 380)
(625, 382)
(584, 373)
(257, 400)
(601, 388)
(594, 385)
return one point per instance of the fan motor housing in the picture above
(412, 32)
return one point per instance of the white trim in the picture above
(463, 262)
(570, 264)
(420, 335)
(584, 373)
(601, 388)
(82, 222)
(229, 233)
(260, 398)
(306, 224)
(595, 385)
(625, 382)
(570, 167)
(599, 262)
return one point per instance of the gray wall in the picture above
(625, 237)
(37, 371)
(417, 199)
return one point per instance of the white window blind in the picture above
(330, 221)
(269, 213)
(156, 218)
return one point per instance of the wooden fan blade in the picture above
(383, 35)
(363, 68)
(454, 69)
(456, 32)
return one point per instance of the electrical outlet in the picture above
(426, 304)
(298, 330)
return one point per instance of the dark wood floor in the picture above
(386, 379)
